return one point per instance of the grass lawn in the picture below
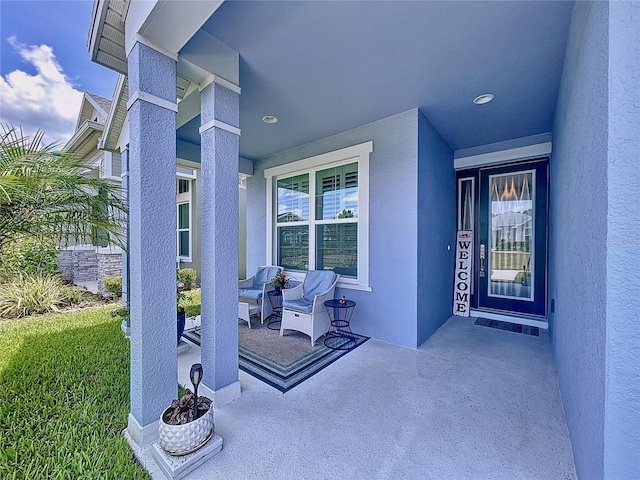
(64, 398)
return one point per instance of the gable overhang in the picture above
(85, 139)
(86, 107)
(117, 115)
(116, 26)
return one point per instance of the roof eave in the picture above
(106, 35)
(87, 128)
(113, 125)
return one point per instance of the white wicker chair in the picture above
(303, 306)
(252, 293)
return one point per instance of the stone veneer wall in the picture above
(65, 264)
(78, 265)
(109, 265)
(85, 266)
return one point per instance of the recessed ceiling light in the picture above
(269, 119)
(482, 99)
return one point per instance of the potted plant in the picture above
(123, 314)
(280, 281)
(188, 423)
(180, 314)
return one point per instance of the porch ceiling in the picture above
(326, 67)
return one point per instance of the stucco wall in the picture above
(389, 311)
(622, 408)
(578, 231)
(436, 229)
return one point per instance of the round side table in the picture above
(275, 299)
(340, 336)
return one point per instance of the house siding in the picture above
(436, 229)
(116, 164)
(389, 312)
(578, 231)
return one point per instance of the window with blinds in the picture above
(337, 219)
(292, 222)
(322, 234)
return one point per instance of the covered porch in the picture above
(385, 94)
(471, 402)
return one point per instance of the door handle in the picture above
(482, 254)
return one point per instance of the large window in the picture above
(183, 227)
(319, 214)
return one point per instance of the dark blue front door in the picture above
(512, 251)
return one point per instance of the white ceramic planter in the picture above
(187, 438)
(126, 328)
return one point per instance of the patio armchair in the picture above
(303, 306)
(252, 293)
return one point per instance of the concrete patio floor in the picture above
(471, 403)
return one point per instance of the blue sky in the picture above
(45, 65)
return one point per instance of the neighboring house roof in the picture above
(94, 108)
(90, 124)
(103, 102)
(289, 217)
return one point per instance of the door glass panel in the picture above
(465, 204)
(511, 242)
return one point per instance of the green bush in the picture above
(113, 285)
(29, 294)
(191, 301)
(187, 277)
(30, 255)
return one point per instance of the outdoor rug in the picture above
(508, 326)
(282, 362)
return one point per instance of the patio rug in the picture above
(282, 362)
(508, 326)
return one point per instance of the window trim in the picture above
(355, 154)
(181, 199)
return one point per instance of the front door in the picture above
(512, 251)
(509, 229)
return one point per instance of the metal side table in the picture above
(275, 299)
(340, 336)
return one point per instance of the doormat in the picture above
(281, 362)
(508, 326)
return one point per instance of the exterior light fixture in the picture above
(482, 99)
(269, 119)
(196, 376)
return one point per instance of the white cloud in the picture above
(46, 101)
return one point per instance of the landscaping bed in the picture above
(64, 397)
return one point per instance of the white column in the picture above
(152, 248)
(219, 241)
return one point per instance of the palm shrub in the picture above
(45, 192)
(28, 294)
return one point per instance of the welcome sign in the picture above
(462, 281)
